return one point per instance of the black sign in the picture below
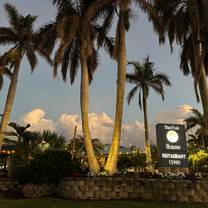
(172, 146)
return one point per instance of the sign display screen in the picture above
(172, 146)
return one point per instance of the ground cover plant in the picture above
(59, 203)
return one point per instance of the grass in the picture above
(60, 203)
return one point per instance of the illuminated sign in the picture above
(172, 147)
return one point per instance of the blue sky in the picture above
(55, 97)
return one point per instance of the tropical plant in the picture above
(194, 143)
(135, 161)
(17, 130)
(197, 120)
(77, 145)
(78, 46)
(22, 148)
(48, 167)
(55, 141)
(24, 40)
(145, 78)
(198, 160)
(185, 21)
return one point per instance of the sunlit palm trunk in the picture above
(111, 163)
(9, 101)
(84, 99)
(146, 131)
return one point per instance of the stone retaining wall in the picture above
(106, 188)
(10, 187)
(38, 191)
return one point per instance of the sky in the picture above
(48, 103)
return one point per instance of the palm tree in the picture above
(77, 46)
(184, 21)
(144, 78)
(123, 25)
(17, 130)
(56, 142)
(23, 39)
(78, 145)
(21, 148)
(195, 120)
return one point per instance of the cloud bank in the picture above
(101, 125)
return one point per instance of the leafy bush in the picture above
(135, 161)
(199, 160)
(48, 167)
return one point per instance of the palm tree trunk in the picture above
(9, 101)
(146, 131)
(198, 56)
(84, 102)
(111, 163)
(203, 89)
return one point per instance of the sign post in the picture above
(172, 146)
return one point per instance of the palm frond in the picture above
(1, 81)
(65, 61)
(6, 40)
(58, 58)
(108, 44)
(140, 99)
(92, 63)
(14, 17)
(162, 78)
(31, 57)
(132, 93)
(158, 88)
(46, 38)
(74, 58)
(130, 78)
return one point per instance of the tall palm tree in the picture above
(23, 39)
(78, 46)
(145, 78)
(184, 21)
(123, 25)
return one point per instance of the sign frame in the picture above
(172, 145)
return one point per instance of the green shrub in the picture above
(135, 161)
(48, 167)
(199, 160)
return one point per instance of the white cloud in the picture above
(133, 134)
(101, 125)
(67, 123)
(36, 118)
(175, 115)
